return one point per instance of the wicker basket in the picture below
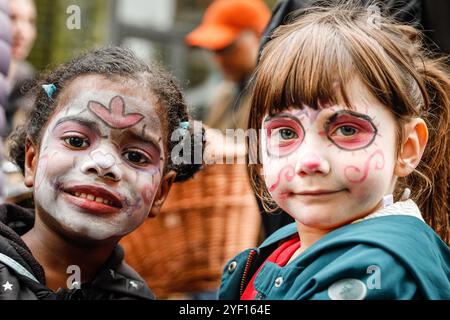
(204, 223)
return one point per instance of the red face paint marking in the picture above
(115, 116)
(289, 174)
(147, 193)
(352, 171)
(308, 112)
(351, 131)
(277, 145)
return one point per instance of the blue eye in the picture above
(288, 134)
(346, 131)
(77, 142)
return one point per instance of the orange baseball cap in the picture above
(225, 19)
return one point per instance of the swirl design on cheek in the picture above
(356, 175)
(289, 174)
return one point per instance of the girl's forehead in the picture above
(305, 110)
(96, 96)
(100, 85)
(360, 99)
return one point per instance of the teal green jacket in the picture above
(391, 257)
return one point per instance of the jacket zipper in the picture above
(251, 255)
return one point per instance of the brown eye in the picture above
(77, 142)
(136, 157)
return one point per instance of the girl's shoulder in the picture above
(401, 250)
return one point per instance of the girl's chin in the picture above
(323, 217)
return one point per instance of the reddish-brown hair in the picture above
(304, 59)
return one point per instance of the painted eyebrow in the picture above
(82, 121)
(282, 115)
(349, 112)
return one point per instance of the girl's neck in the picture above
(56, 254)
(308, 236)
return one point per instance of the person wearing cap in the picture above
(231, 30)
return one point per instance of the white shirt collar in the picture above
(399, 208)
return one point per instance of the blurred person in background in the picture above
(231, 30)
(24, 32)
(5, 57)
(21, 74)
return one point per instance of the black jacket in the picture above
(23, 278)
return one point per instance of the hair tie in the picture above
(406, 194)
(184, 125)
(50, 89)
(184, 128)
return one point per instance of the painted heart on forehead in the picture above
(115, 116)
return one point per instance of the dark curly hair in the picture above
(113, 62)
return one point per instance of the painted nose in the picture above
(310, 164)
(103, 164)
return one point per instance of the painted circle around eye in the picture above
(283, 145)
(363, 135)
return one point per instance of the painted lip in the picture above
(316, 193)
(92, 206)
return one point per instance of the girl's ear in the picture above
(162, 193)
(31, 159)
(412, 148)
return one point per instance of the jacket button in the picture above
(232, 266)
(278, 282)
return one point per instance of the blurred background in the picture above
(154, 29)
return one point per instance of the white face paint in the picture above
(103, 141)
(330, 166)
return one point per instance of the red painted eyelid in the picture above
(360, 128)
(127, 148)
(70, 134)
(70, 127)
(282, 123)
